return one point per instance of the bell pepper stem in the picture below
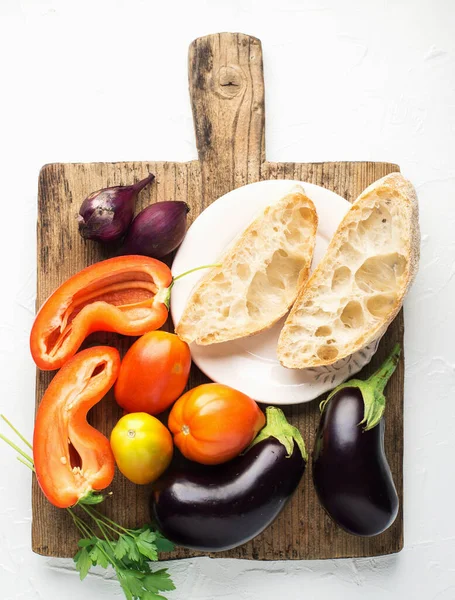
(193, 270)
(278, 427)
(90, 498)
(166, 296)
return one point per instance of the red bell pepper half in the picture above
(126, 294)
(72, 459)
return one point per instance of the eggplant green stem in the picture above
(372, 390)
(166, 293)
(278, 427)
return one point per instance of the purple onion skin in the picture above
(157, 230)
(106, 214)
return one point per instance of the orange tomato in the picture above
(153, 373)
(142, 447)
(213, 423)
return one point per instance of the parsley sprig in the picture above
(105, 543)
(128, 551)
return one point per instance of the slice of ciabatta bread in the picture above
(359, 286)
(258, 277)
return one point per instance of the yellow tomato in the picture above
(142, 447)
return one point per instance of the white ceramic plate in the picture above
(250, 364)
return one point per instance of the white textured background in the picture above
(106, 80)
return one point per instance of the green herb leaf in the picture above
(124, 584)
(84, 543)
(133, 581)
(162, 544)
(143, 565)
(93, 555)
(83, 563)
(98, 556)
(147, 535)
(107, 551)
(152, 596)
(130, 556)
(133, 551)
(159, 581)
(103, 562)
(147, 549)
(121, 547)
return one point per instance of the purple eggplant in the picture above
(350, 470)
(213, 508)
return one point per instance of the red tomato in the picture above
(153, 373)
(213, 423)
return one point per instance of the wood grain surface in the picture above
(227, 96)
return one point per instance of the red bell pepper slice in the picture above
(126, 294)
(72, 459)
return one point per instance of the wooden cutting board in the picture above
(227, 96)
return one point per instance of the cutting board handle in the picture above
(227, 96)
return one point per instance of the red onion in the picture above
(157, 230)
(105, 215)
